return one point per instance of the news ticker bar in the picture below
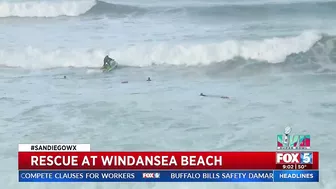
(170, 176)
(167, 160)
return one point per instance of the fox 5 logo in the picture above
(306, 158)
(296, 158)
(150, 175)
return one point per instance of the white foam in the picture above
(274, 50)
(45, 8)
(92, 71)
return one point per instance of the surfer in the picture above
(149, 79)
(107, 61)
(225, 97)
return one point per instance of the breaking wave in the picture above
(309, 47)
(45, 8)
(94, 7)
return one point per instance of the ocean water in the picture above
(275, 59)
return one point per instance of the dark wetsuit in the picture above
(107, 61)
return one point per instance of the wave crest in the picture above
(95, 7)
(309, 47)
(273, 50)
(45, 8)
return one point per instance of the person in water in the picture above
(107, 61)
(225, 97)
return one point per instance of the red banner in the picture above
(165, 160)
